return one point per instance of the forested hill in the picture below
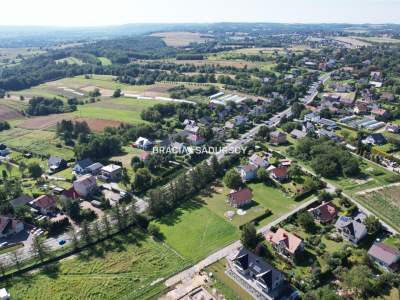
(35, 70)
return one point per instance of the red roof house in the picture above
(325, 213)
(44, 203)
(286, 243)
(240, 198)
(280, 174)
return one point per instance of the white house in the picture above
(111, 172)
(143, 143)
(85, 185)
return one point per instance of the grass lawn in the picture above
(195, 231)
(129, 266)
(274, 199)
(215, 200)
(224, 284)
(66, 173)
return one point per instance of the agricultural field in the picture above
(127, 111)
(79, 87)
(36, 141)
(70, 61)
(379, 39)
(385, 203)
(129, 266)
(8, 113)
(194, 231)
(352, 42)
(181, 38)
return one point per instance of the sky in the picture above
(117, 12)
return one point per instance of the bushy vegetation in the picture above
(326, 157)
(40, 106)
(4, 125)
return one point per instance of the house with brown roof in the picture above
(324, 213)
(285, 243)
(240, 198)
(385, 256)
(10, 226)
(281, 174)
(45, 204)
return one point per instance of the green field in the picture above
(105, 61)
(129, 266)
(70, 61)
(195, 231)
(37, 141)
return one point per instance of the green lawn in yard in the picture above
(66, 173)
(215, 200)
(129, 266)
(274, 199)
(195, 231)
(105, 61)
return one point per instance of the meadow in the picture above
(194, 231)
